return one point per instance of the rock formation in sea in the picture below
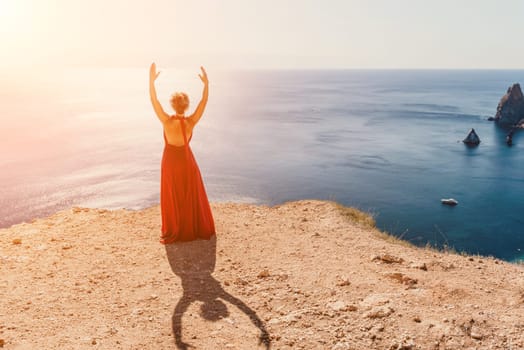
(510, 110)
(472, 138)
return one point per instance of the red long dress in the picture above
(186, 214)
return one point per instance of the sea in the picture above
(385, 141)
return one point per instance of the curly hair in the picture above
(179, 101)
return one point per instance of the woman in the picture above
(186, 215)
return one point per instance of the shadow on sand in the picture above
(194, 262)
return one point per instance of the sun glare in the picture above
(9, 11)
(17, 29)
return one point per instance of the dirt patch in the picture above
(301, 275)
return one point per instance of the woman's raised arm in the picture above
(195, 117)
(163, 116)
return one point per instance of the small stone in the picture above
(476, 336)
(2, 343)
(475, 333)
(67, 246)
(275, 337)
(93, 341)
(388, 259)
(343, 282)
(377, 329)
(17, 241)
(420, 266)
(263, 274)
(341, 346)
(351, 308)
(380, 312)
(240, 281)
(401, 278)
(290, 318)
(137, 311)
(338, 305)
(417, 319)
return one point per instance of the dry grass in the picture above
(356, 216)
(392, 239)
(366, 220)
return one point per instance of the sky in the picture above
(299, 34)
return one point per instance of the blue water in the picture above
(385, 141)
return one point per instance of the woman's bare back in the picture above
(173, 131)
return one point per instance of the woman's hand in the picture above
(203, 76)
(195, 117)
(153, 74)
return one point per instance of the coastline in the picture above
(300, 275)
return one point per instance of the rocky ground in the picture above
(302, 275)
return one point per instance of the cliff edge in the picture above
(302, 275)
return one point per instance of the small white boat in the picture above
(449, 201)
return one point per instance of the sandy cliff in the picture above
(303, 275)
